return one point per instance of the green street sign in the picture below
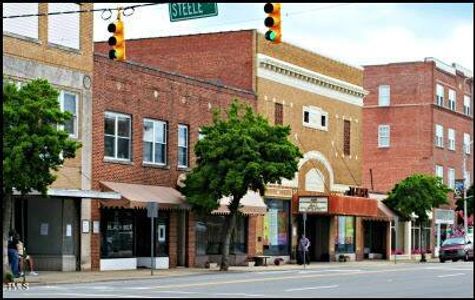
(192, 10)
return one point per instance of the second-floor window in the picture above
(384, 95)
(346, 137)
(117, 136)
(154, 141)
(182, 145)
(466, 143)
(69, 102)
(439, 135)
(27, 26)
(452, 100)
(383, 136)
(451, 178)
(64, 29)
(451, 136)
(439, 172)
(466, 105)
(439, 97)
(315, 117)
(279, 114)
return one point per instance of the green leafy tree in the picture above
(469, 202)
(33, 145)
(417, 194)
(239, 153)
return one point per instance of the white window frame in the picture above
(116, 136)
(28, 26)
(63, 24)
(466, 143)
(452, 103)
(384, 95)
(439, 98)
(439, 135)
(451, 138)
(183, 146)
(467, 181)
(384, 130)
(75, 115)
(315, 115)
(439, 172)
(156, 124)
(451, 178)
(466, 105)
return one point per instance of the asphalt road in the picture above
(431, 280)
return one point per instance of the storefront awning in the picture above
(384, 213)
(251, 204)
(138, 195)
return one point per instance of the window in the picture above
(69, 102)
(451, 135)
(439, 95)
(346, 137)
(467, 182)
(439, 136)
(466, 143)
(182, 145)
(451, 178)
(384, 95)
(279, 114)
(452, 100)
(439, 172)
(315, 117)
(345, 242)
(466, 105)
(27, 26)
(64, 29)
(117, 228)
(420, 239)
(117, 136)
(277, 227)
(383, 136)
(154, 142)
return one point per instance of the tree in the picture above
(417, 194)
(469, 202)
(33, 145)
(239, 153)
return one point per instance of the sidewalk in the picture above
(56, 277)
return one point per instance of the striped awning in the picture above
(251, 204)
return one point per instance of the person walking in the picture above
(13, 257)
(304, 245)
(24, 257)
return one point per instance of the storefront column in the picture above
(359, 231)
(95, 236)
(85, 237)
(333, 236)
(251, 236)
(191, 238)
(407, 238)
(172, 241)
(388, 240)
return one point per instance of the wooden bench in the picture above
(261, 260)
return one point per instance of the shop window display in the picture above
(345, 241)
(276, 228)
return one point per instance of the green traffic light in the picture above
(271, 35)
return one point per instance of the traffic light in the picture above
(273, 22)
(117, 40)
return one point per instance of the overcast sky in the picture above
(356, 33)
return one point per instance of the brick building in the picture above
(146, 122)
(40, 47)
(416, 119)
(322, 100)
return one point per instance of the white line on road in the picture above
(313, 288)
(320, 271)
(448, 268)
(451, 275)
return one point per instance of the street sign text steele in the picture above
(192, 10)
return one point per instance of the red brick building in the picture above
(145, 122)
(416, 119)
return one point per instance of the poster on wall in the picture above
(341, 230)
(273, 227)
(44, 228)
(266, 230)
(349, 230)
(283, 228)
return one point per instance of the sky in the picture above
(356, 33)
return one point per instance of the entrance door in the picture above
(318, 232)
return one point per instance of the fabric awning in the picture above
(251, 204)
(384, 213)
(138, 195)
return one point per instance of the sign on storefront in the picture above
(152, 209)
(313, 204)
(444, 216)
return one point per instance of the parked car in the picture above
(456, 248)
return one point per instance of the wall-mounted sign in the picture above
(313, 204)
(85, 226)
(444, 216)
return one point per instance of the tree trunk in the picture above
(423, 251)
(229, 225)
(7, 206)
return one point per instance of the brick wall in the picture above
(173, 239)
(190, 241)
(251, 236)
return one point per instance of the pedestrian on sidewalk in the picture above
(13, 257)
(303, 247)
(24, 257)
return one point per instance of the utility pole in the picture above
(465, 214)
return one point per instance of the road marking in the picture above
(313, 288)
(447, 268)
(274, 272)
(320, 271)
(451, 275)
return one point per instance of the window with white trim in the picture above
(117, 136)
(451, 178)
(466, 143)
(315, 117)
(154, 141)
(467, 182)
(439, 135)
(384, 95)
(182, 145)
(64, 29)
(439, 98)
(27, 26)
(69, 102)
(452, 100)
(383, 136)
(466, 105)
(439, 172)
(451, 137)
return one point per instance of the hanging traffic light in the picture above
(117, 40)
(273, 22)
